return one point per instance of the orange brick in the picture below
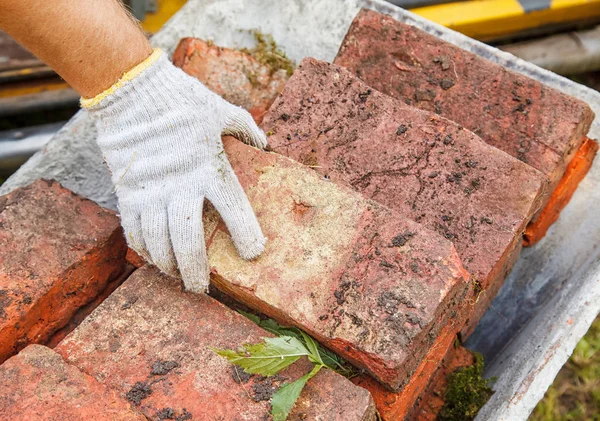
(38, 385)
(151, 342)
(394, 406)
(576, 171)
(58, 251)
(233, 74)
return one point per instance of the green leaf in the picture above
(266, 358)
(328, 358)
(284, 399)
(313, 347)
(250, 316)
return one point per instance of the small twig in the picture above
(125, 172)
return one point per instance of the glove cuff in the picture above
(127, 77)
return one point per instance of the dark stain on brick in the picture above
(139, 392)
(160, 367)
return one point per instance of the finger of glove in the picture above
(241, 125)
(187, 236)
(155, 228)
(229, 199)
(132, 228)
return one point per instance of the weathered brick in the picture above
(151, 341)
(367, 282)
(576, 171)
(57, 252)
(394, 406)
(524, 118)
(432, 400)
(424, 166)
(235, 75)
(38, 385)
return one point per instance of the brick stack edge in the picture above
(526, 119)
(425, 167)
(58, 251)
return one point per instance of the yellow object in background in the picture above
(165, 9)
(493, 19)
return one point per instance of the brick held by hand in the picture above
(151, 342)
(424, 166)
(367, 282)
(512, 112)
(38, 385)
(58, 251)
(235, 75)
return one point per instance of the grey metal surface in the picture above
(553, 294)
(16, 146)
(566, 54)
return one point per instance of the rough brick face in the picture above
(150, 341)
(524, 118)
(367, 282)
(393, 406)
(57, 252)
(233, 74)
(38, 385)
(423, 166)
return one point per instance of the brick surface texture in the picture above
(38, 385)
(233, 74)
(394, 406)
(150, 341)
(422, 165)
(367, 282)
(57, 252)
(524, 118)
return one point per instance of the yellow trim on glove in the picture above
(128, 76)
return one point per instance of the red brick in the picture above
(233, 74)
(424, 166)
(576, 171)
(394, 406)
(367, 282)
(38, 385)
(432, 401)
(150, 320)
(134, 259)
(57, 252)
(524, 118)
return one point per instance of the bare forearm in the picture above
(89, 43)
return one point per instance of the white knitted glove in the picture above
(160, 132)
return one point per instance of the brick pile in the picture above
(394, 204)
(422, 165)
(365, 281)
(518, 115)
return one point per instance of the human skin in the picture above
(89, 43)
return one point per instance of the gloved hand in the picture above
(160, 132)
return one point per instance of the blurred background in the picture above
(560, 35)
